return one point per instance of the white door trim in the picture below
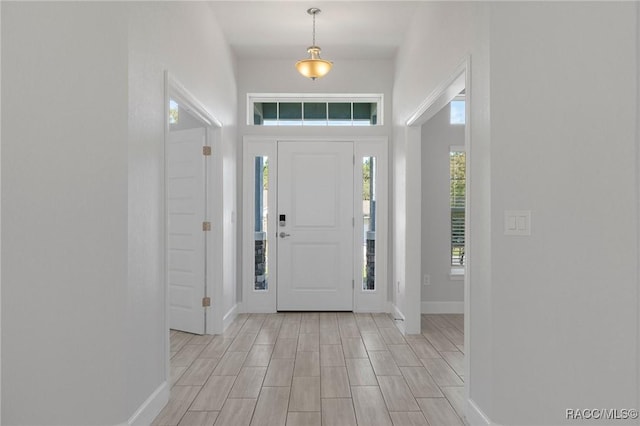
(265, 301)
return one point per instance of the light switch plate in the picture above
(517, 222)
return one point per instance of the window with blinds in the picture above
(457, 191)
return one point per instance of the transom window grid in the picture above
(309, 110)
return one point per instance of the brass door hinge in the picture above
(206, 302)
(206, 150)
(206, 226)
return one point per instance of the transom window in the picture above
(314, 110)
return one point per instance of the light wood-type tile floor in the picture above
(318, 368)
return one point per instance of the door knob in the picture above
(284, 234)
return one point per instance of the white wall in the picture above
(553, 316)
(64, 210)
(281, 76)
(438, 135)
(82, 183)
(563, 121)
(185, 39)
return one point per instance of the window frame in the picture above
(374, 98)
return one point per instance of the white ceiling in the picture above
(344, 29)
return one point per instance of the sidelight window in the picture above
(261, 249)
(369, 214)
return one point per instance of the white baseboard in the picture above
(150, 409)
(476, 417)
(259, 310)
(229, 317)
(443, 307)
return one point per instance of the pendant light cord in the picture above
(314, 29)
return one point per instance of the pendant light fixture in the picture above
(314, 67)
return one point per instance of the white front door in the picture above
(315, 226)
(186, 201)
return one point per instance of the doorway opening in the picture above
(191, 211)
(456, 254)
(443, 260)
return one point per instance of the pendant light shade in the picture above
(314, 67)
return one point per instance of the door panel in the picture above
(186, 242)
(315, 193)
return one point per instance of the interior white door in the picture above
(315, 245)
(186, 203)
